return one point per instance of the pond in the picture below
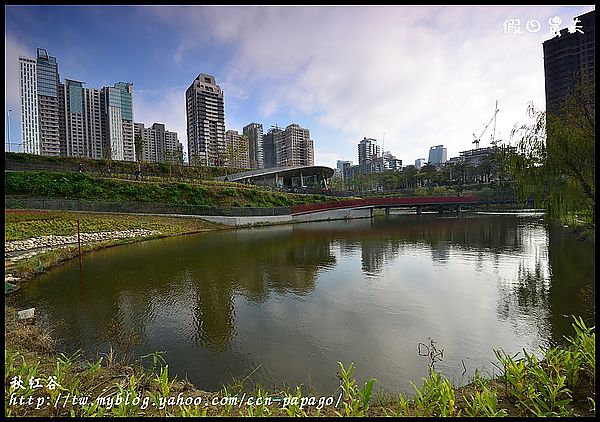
(294, 300)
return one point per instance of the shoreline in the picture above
(46, 357)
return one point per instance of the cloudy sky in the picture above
(409, 76)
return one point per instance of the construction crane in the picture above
(493, 119)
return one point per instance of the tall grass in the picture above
(560, 384)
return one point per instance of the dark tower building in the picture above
(570, 59)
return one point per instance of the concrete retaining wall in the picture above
(241, 221)
(300, 218)
(344, 214)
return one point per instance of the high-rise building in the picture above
(342, 165)
(570, 59)
(39, 80)
(390, 162)
(368, 150)
(236, 150)
(254, 133)
(205, 121)
(295, 148)
(80, 120)
(30, 131)
(420, 162)
(158, 144)
(438, 155)
(47, 83)
(70, 120)
(270, 141)
(119, 143)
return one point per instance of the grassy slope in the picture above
(84, 186)
(25, 224)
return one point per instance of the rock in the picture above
(26, 314)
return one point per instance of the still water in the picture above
(293, 300)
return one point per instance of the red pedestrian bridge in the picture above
(439, 202)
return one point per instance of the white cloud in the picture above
(326, 158)
(13, 49)
(163, 106)
(423, 75)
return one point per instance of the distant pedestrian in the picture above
(80, 166)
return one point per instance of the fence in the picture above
(18, 202)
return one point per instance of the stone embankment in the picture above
(52, 241)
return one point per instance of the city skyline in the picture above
(424, 76)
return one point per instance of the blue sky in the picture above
(410, 76)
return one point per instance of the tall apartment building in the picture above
(236, 150)
(39, 80)
(119, 142)
(158, 144)
(30, 130)
(81, 120)
(570, 59)
(254, 134)
(294, 147)
(438, 155)
(270, 141)
(368, 150)
(205, 121)
(70, 120)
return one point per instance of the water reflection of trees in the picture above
(572, 291)
(383, 240)
(523, 299)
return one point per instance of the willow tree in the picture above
(555, 158)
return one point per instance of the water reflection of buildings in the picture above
(376, 253)
(288, 262)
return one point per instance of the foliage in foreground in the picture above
(563, 384)
(555, 158)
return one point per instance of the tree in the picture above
(555, 159)
(139, 147)
(409, 176)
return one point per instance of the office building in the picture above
(294, 147)
(205, 121)
(570, 59)
(236, 148)
(254, 134)
(420, 162)
(438, 155)
(158, 144)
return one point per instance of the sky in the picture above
(411, 77)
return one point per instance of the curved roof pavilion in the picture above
(283, 176)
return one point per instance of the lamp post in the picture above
(8, 121)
